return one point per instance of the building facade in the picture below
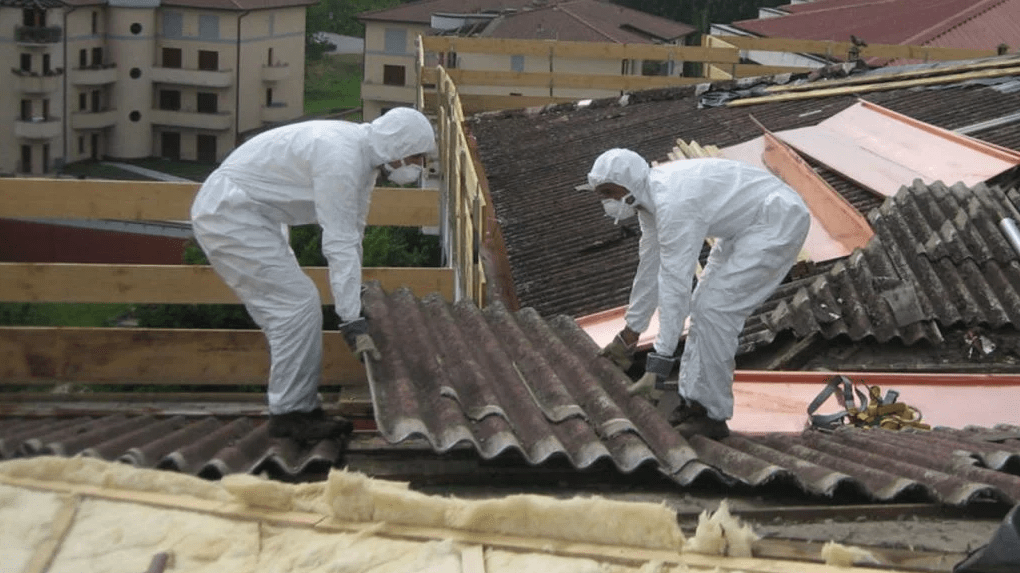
(128, 79)
(390, 63)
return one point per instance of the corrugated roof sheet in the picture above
(209, 447)
(580, 263)
(238, 4)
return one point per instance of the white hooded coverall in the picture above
(311, 172)
(760, 225)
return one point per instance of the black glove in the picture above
(359, 340)
(659, 364)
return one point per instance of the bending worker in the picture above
(311, 172)
(760, 225)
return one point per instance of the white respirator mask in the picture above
(618, 209)
(406, 173)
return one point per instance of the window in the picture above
(208, 60)
(83, 58)
(171, 57)
(206, 145)
(173, 25)
(97, 56)
(269, 97)
(517, 63)
(450, 60)
(46, 109)
(393, 75)
(33, 17)
(207, 102)
(624, 67)
(209, 26)
(396, 41)
(96, 101)
(269, 58)
(170, 99)
(170, 145)
(46, 64)
(26, 62)
(26, 110)
(26, 159)
(46, 157)
(83, 101)
(94, 145)
(95, 22)
(81, 144)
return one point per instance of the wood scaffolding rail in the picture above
(115, 355)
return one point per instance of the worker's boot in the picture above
(691, 419)
(308, 426)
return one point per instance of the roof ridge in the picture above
(564, 9)
(965, 15)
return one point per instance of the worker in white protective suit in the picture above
(311, 172)
(759, 224)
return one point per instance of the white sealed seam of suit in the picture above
(312, 172)
(760, 225)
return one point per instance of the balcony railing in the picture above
(34, 83)
(199, 78)
(38, 34)
(94, 75)
(191, 119)
(277, 112)
(275, 73)
(94, 119)
(37, 128)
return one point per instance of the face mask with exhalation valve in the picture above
(618, 209)
(406, 173)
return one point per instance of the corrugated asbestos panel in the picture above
(208, 447)
(504, 381)
(938, 257)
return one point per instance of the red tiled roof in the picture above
(881, 22)
(574, 20)
(238, 4)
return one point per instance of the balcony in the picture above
(93, 119)
(277, 112)
(38, 35)
(32, 83)
(95, 75)
(37, 128)
(275, 72)
(218, 121)
(197, 78)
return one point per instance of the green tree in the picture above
(702, 13)
(338, 16)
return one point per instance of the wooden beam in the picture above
(840, 49)
(48, 355)
(580, 50)
(874, 87)
(479, 103)
(179, 284)
(466, 78)
(898, 76)
(169, 201)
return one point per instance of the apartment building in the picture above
(391, 73)
(126, 79)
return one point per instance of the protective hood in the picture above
(625, 168)
(399, 133)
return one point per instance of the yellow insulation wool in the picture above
(845, 556)
(721, 534)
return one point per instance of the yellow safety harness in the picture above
(874, 410)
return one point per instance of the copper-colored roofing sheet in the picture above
(882, 150)
(603, 326)
(588, 21)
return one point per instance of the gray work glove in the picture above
(621, 353)
(355, 333)
(657, 368)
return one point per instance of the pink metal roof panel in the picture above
(999, 23)
(883, 151)
(889, 22)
